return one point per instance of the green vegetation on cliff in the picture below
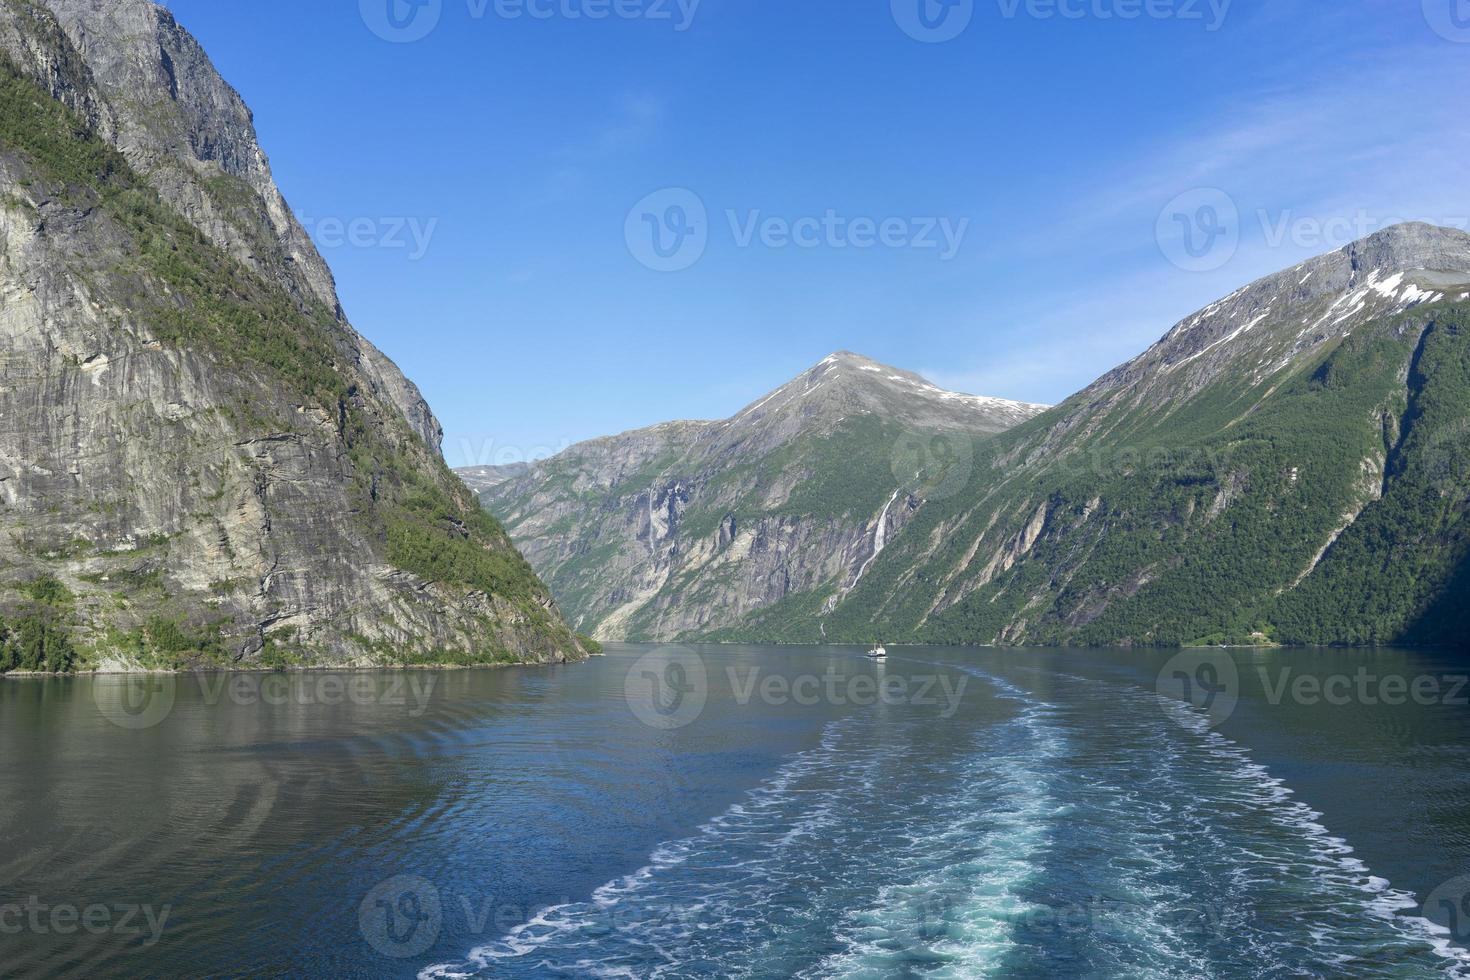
(194, 296)
(37, 637)
(1215, 519)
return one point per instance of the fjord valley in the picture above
(1287, 465)
(202, 463)
(842, 672)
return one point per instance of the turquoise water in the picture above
(745, 811)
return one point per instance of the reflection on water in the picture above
(736, 808)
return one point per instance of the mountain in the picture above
(1291, 463)
(688, 528)
(482, 478)
(201, 461)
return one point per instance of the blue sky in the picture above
(496, 173)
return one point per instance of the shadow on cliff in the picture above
(1446, 621)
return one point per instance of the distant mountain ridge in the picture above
(1289, 464)
(687, 527)
(480, 478)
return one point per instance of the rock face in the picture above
(698, 529)
(184, 128)
(193, 440)
(1288, 463)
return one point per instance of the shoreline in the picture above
(995, 646)
(160, 672)
(361, 669)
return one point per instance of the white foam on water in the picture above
(1147, 943)
(828, 822)
(1309, 857)
(1336, 868)
(1155, 947)
(958, 909)
(771, 824)
(945, 877)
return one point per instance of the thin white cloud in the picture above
(1382, 141)
(631, 122)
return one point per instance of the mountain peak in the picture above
(689, 526)
(845, 384)
(1266, 325)
(856, 366)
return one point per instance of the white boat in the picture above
(878, 653)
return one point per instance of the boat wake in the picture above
(1100, 830)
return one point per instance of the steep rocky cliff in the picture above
(145, 85)
(691, 528)
(200, 460)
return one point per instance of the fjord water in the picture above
(1007, 813)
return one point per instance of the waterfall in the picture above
(880, 539)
